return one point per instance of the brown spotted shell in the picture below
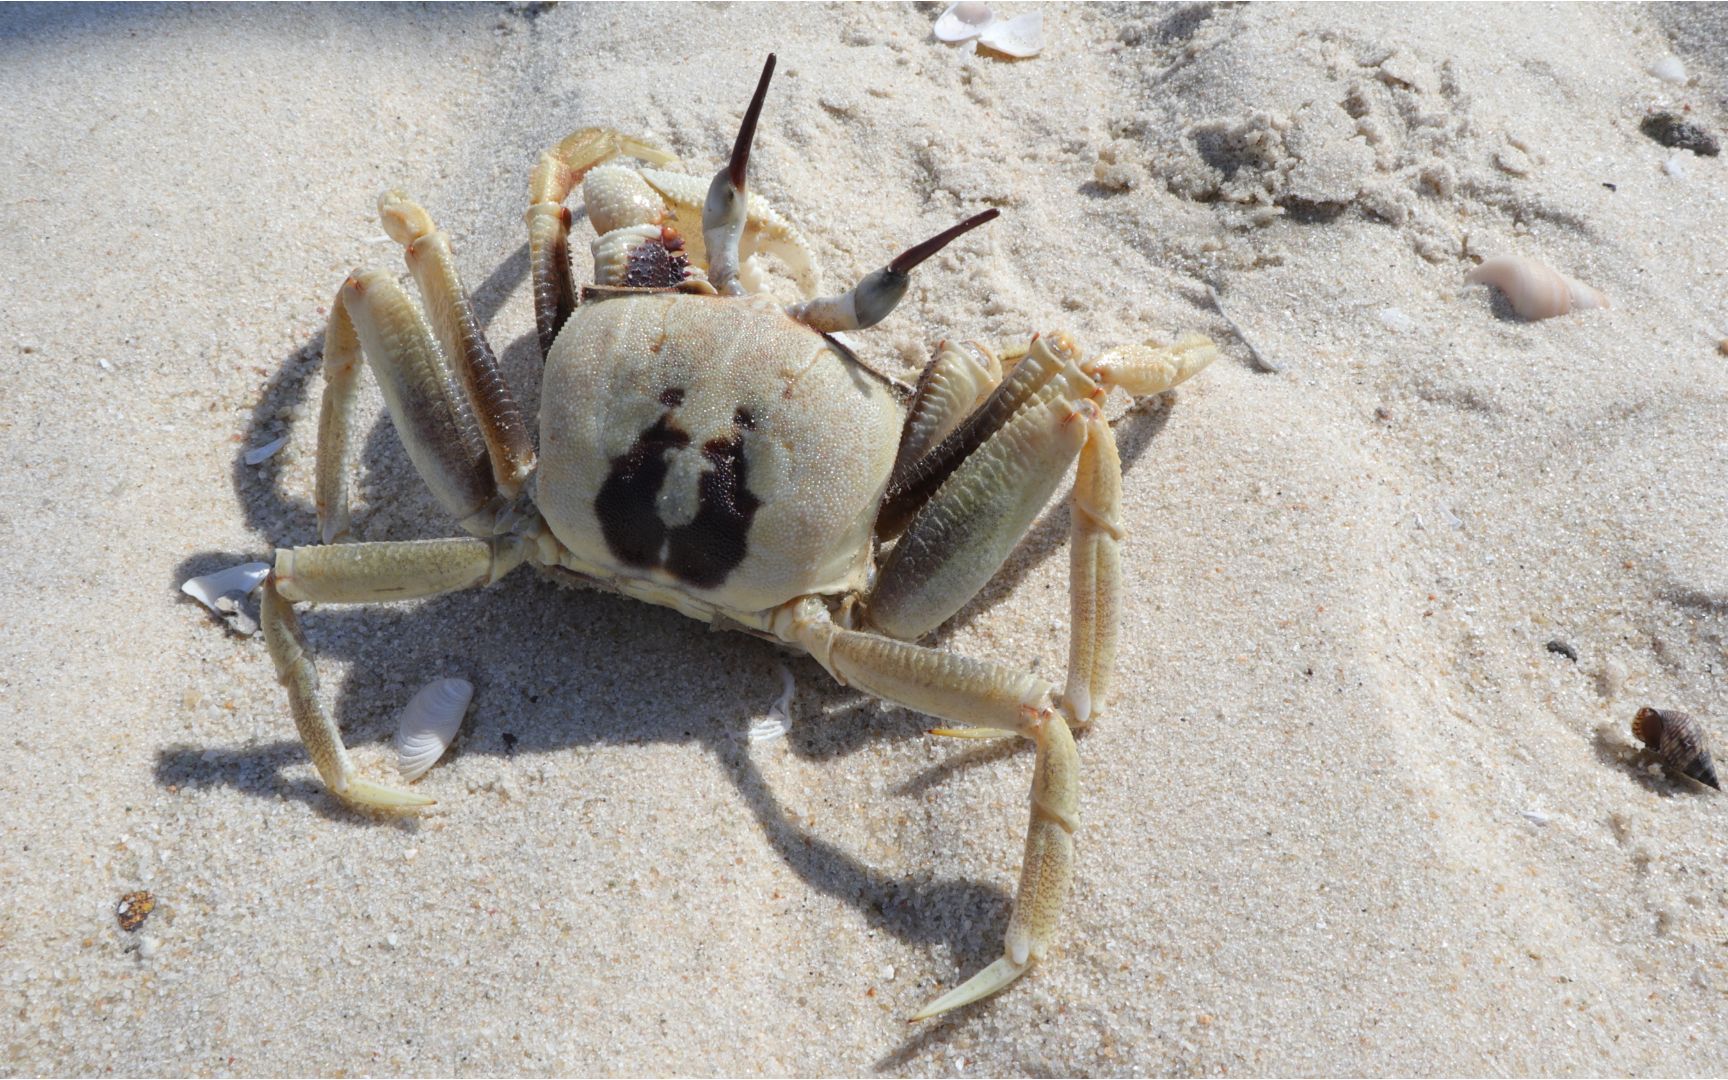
(1678, 740)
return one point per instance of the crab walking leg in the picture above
(964, 534)
(1046, 870)
(458, 327)
(1151, 369)
(559, 171)
(372, 315)
(354, 573)
(1048, 358)
(965, 690)
(1094, 571)
(952, 385)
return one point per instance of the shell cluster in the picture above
(1678, 740)
(1020, 37)
(1536, 291)
(429, 724)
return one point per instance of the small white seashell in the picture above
(1534, 290)
(779, 719)
(1675, 167)
(266, 452)
(429, 723)
(1020, 36)
(1396, 320)
(1670, 70)
(236, 579)
(963, 21)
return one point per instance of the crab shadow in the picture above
(556, 668)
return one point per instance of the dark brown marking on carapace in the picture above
(625, 505)
(704, 552)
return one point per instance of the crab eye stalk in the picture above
(872, 299)
(727, 206)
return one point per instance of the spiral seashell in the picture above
(429, 724)
(1020, 36)
(1536, 291)
(1678, 740)
(963, 21)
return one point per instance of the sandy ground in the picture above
(1351, 813)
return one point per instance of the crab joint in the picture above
(727, 207)
(870, 301)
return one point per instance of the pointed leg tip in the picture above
(371, 796)
(991, 980)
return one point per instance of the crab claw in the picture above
(872, 299)
(725, 211)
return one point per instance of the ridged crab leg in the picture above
(427, 249)
(372, 316)
(953, 384)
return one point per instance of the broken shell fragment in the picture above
(1678, 740)
(1020, 36)
(963, 21)
(264, 453)
(779, 719)
(240, 579)
(1534, 290)
(429, 725)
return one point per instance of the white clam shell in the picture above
(429, 724)
(236, 579)
(1020, 36)
(963, 21)
(1534, 290)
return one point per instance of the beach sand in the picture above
(1351, 812)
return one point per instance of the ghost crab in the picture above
(709, 450)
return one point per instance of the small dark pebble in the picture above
(1670, 130)
(1558, 646)
(1610, 187)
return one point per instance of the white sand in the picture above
(1350, 815)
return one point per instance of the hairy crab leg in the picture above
(1049, 357)
(458, 328)
(964, 534)
(953, 384)
(1094, 571)
(358, 573)
(373, 316)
